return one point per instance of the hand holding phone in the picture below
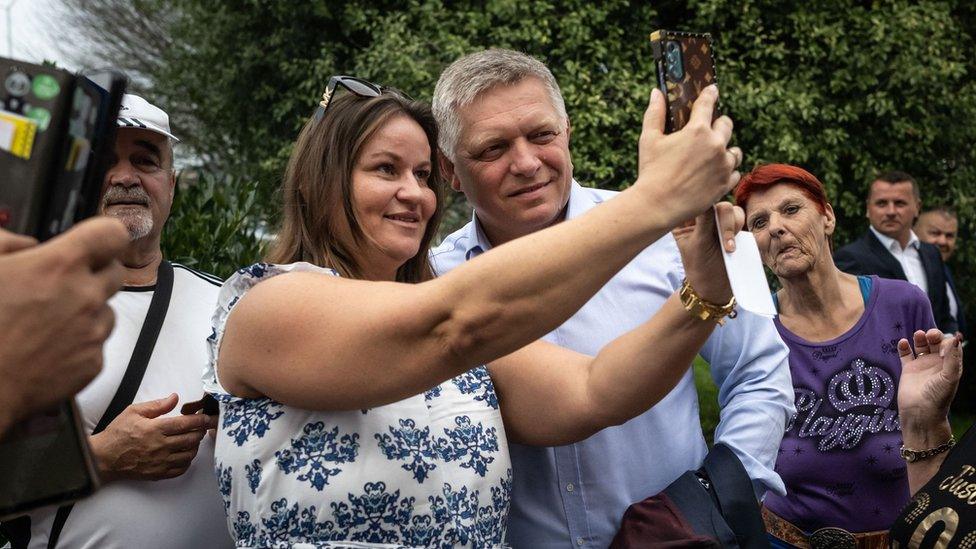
(145, 443)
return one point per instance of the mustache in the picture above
(118, 193)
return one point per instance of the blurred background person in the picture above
(839, 457)
(890, 249)
(939, 227)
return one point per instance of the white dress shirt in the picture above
(574, 495)
(953, 304)
(909, 258)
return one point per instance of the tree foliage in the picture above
(214, 225)
(843, 88)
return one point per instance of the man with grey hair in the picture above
(157, 491)
(505, 145)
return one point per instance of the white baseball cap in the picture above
(136, 112)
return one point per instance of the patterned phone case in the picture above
(681, 90)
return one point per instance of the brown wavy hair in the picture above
(317, 185)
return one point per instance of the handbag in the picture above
(714, 506)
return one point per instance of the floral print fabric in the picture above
(432, 470)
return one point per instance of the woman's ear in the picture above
(831, 221)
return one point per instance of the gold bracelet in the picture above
(702, 309)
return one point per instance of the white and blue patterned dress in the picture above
(432, 470)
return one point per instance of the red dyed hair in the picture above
(765, 176)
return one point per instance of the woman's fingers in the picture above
(735, 157)
(702, 109)
(730, 220)
(951, 351)
(732, 181)
(905, 351)
(921, 343)
(655, 115)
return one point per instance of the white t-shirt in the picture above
(186, 511)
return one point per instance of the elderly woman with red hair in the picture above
(840, 456)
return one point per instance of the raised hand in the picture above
(701, 251)
(141, 445)
(54, 313)
(929, 377)
(689, 170)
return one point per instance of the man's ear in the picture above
(447, 170)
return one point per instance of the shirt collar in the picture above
(478, 242)
(475, 237)
(579, 203)
(892, 244)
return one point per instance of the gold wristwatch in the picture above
(702, 309)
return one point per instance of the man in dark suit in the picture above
(890, 249)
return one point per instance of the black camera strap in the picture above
(134, 372)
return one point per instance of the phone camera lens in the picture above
(672, 57)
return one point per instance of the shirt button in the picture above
(570, 488)
(579, 541)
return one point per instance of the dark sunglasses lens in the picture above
(360, 87)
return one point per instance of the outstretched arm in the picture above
(348, 344)
(552, 396)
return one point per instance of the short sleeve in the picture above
(230, 293)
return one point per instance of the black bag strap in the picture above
(732, 487)
(134, 372)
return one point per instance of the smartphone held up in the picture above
(684, 68)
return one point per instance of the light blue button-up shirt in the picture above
(575, 495)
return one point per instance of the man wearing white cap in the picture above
(152, 363)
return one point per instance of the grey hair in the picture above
(171, 143)
(470, 76)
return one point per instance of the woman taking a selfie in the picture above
(356, 405)
(840, 456)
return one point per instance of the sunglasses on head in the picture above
(358, 86)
